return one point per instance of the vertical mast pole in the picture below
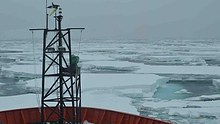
(43, 73)
(59, 19)
(46, 16)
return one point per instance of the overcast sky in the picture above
(115, 19)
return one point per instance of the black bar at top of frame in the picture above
(36, 29)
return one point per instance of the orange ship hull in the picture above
(92, 115)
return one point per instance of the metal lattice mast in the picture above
(67, 80)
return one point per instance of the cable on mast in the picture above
(80, 39)
(35, 72)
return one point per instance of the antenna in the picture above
(46, 16)
(54, 8)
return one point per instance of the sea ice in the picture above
(183, 91)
